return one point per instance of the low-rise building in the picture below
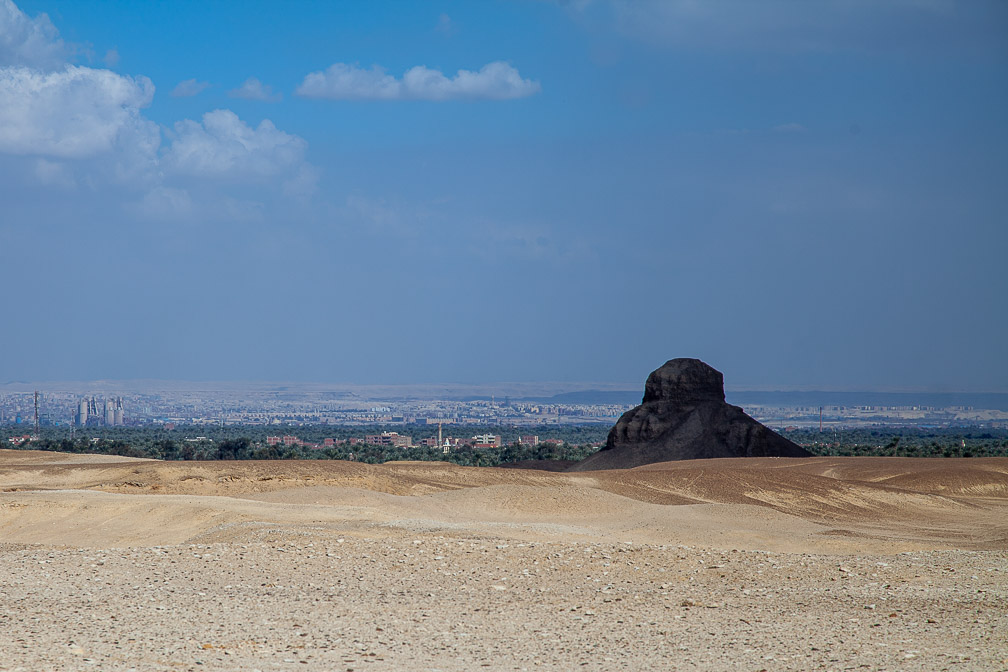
(486, 441)
(389, 439)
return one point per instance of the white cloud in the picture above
(342, 81)
(72, 113)
(83, 129)
(494, 81)
(253, 89)
(111, 58)
(188, 88)
(224, 146)
(792, 127)
(28, 42)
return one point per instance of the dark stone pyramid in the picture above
(684, 416)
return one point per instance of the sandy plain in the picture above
(752, 564)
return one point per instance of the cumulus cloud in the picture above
(342, 81)
(51, 109)
(224, 146)
(72, 113)
(188, 88)
(253, 89)
(29, 42)
(65, 126)
(494, 81)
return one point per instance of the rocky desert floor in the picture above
(742, 564)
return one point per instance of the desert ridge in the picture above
(803, 504)
(879, 563)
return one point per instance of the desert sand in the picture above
(777, 564)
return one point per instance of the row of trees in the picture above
(249, 443)
(904, 442)
(243, 448)
(147, 435)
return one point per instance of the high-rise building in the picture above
(91, 412)
(82, 413)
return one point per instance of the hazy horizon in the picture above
(140, 384)
(804, 195)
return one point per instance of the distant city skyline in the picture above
(804, 195)
(293, 405)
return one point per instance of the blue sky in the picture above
(802, 194)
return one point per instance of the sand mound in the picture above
(902, 503)
(111, 563)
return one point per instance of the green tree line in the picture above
(577, 442)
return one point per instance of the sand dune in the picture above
(888, 504)
(313, 562)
